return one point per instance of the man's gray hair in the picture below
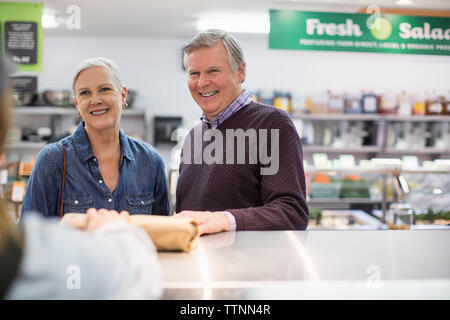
(105, 63)
(208, 38)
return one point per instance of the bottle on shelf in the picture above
(255, 96)
(352, 104)
(289, 98)
(298, 103)
(308, 104)
(404, 104)
(388, 103)
(419, 104)
(265, 97)
(319, 103)
(335, 102)
(369, 102)
(281, 100)
(447, 104)
(433, 105)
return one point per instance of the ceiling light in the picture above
(403, 2)
(49, 21)
(236, 25)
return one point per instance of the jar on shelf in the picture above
(419, 105)
(335, 103)
(369, 103)
(388, 103)
(433, 105)
(353, 104)
(404, 104)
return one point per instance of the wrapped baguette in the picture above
(167, 233)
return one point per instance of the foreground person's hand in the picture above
(97, 218)
(208, 221)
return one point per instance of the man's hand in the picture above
(208, 221)
(97, 218)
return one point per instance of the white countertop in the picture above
(382, 264)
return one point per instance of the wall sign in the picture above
(21, 41)
(387, 33)
(21, 34)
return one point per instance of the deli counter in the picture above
(352, 264)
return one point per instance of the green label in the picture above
(387, 33)
(21, 34)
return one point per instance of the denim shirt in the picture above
(142, 187)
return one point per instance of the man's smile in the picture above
(209, 94)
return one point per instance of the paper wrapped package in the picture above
(167, 233)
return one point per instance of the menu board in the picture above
(23, 83)
(21, 41)
(21, 34)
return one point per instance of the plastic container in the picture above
(325, 190)
(355, 189)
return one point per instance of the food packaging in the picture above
(167, 233)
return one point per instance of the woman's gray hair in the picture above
(105, 63)
(208, 38)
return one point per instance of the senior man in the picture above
(242, 166)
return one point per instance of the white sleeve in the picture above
(117, 261)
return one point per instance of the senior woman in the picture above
(43, 259)
(104, 168)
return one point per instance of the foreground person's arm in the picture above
(114, 261)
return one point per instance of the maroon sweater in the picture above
(257, 201)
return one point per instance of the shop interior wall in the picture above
(153, 67)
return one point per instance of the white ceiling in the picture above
(177, 18)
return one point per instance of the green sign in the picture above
(388, 33)
(21, 34)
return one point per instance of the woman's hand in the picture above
(97, 218)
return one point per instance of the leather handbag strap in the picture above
(63, 184)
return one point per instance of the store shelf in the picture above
(370, 117)
(374, 171)
(429, 118)
(344, 200)
(420, 151)
(338, 116)
(378, 133)
(26, 145)
(325, 149)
